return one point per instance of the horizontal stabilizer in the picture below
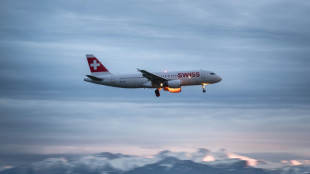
(94, 78)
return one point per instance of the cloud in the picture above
(51, 126)
(253, 46)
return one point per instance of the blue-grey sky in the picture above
(260, 48)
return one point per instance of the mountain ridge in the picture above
(166, 162)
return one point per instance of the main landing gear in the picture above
(157, 93)
(203, 88)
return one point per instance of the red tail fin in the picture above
(95, 66)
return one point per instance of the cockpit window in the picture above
(212, 73)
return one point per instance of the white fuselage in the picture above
(187, 78)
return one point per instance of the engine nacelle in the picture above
(174, 84)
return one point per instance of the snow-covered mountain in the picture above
(165, 162)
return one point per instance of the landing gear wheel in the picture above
(203, 88)
(157, 93)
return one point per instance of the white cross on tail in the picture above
(95, 64)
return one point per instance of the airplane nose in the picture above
(219, 78)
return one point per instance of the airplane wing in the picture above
(152, 77)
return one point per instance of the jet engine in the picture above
(174, 84)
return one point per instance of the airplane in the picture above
(168, 81)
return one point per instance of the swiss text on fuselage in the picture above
(189, 74)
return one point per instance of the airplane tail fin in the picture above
(95, 66)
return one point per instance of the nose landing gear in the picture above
(157, 93)
(203, 88)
